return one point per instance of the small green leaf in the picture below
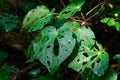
(71, 9)
(37, 18)
(109, 21)
(54, 47)
(3, 55)
(117, 26)
(117, 57)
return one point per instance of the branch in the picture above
(24, 70)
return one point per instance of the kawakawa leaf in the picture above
(95, 59)
(71, 9)
(109, 74)
(54, 47)
(37, 18)
(84, 35)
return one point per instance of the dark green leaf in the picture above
(3, 55)
(117, 57)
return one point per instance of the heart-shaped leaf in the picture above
(94, 59)
(54, 47)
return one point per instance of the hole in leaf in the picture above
(28, 19)
(74, 36)
(84, 63)
(62, 45)
(66, 50)
(7, 22)
(56, 48)
(85, 54)
(48, 46)
(48, 62)
(61, 37)
(68, 42)
(66, 12)
(47, 56)
(78, 60)
(96, 47)
(98, 60)
(93, 65)
(92, 58)
(40, 49)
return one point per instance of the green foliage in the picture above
(110, 74)
(8, 22)
(54, 47)
(111, 22)
(37, 18)
(60, 40)
(94, 59)
(34, 72)
(117, 57)
(71, 9)
(3, 55)
(6, 72)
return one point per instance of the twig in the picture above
(24, 70)
(94, 14)
(63, 4)
(95, 7)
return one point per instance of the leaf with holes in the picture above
(37, 18)
(94, 59)
(71, 9)
(109, 74)
(54, 47)
(84, 35)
